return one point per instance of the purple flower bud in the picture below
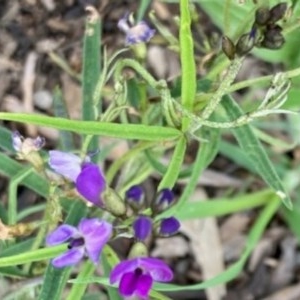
(169, 226)
(163, 200)
(87, 240)
(139, 33)
(136, 276)
(142, 227)
(135, 197)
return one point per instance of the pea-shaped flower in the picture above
(86, 240)
(136, 276)
(135, 34)
(87, 176)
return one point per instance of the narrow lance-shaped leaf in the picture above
(255, 151)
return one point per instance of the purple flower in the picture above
(88, 178)
(142, 227)
(136, 276)
(87, 240)
(139, 33)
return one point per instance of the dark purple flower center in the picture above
(76, 243)
(138, 272)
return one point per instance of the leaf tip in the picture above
(285, 199)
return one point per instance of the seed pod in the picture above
(244, 44)
(274, 42)
(228, 47)
(277, 12)
(262, 16)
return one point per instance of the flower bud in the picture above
(113, 203)
(262, 16)
(135, 197)
(163, 200)
(142, 227)
(245, 44)
(228, 47)
(169, 226)
(137, 250)
(277, 12)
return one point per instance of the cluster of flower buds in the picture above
(135, 276)
(265, 32)
(266, 20)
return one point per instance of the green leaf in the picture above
(66, 141)
(6, 140)
(255, 151)
(206, 153)
(91, 108)
(109, 260)
(128, 131)
(9, 168)
(222, 206)
(78, 290)
(144, 4)
(36, 255)
(188, 67)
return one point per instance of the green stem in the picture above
(262, 80)
(223, 88)
(170, 178)
(188, 68)
(12, 192)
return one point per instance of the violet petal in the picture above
(143, 285)
(140, 33)
(142, 227)
(17, 140)
(158, 269)
(121, 268)
(69, 258)
(90, 183)
(61, 234)
(128, 284)
(96, 234)
(65, 164)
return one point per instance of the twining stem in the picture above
(262, 80)
(223, 87)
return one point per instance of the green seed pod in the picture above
(262, 16)
(113, 202)
(277, 12)
(244, 44)
(228, 47)
(138, 250)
